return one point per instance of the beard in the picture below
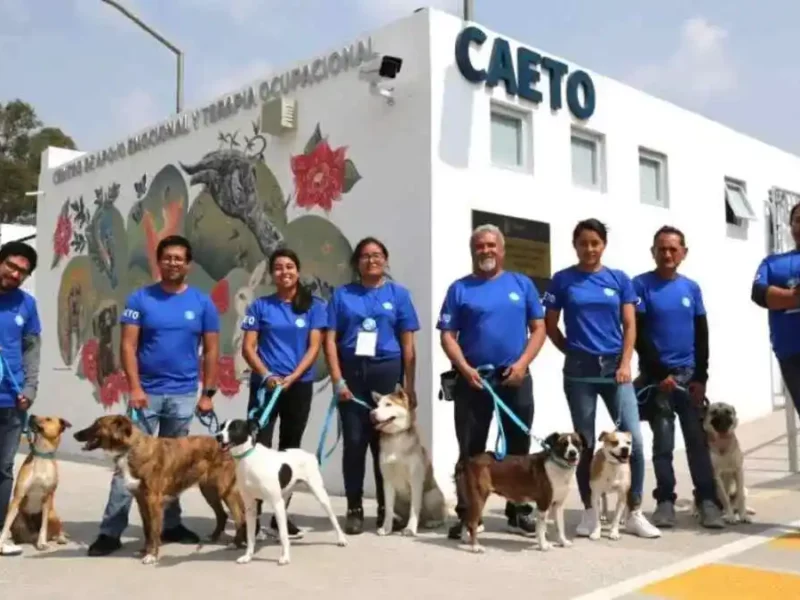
(487, 264)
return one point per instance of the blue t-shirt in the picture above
(491, 317)
(592, 307)
(283, 335)
(670, 307)
(782, 270)
(171, 329)
(19, 317)
(389, 306)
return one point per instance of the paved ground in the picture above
(743, 561)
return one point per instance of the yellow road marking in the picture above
(789, 541)
(731, 582)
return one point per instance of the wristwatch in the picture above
(209, 392)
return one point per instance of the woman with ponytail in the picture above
(283, 337)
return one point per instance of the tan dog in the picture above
(727, 460)
(610, 472)
(409, 488)
(32, 517)
(543, 478)
(157, 469)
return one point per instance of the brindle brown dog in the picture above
(543, 478)
(32, 517)
(156, 469)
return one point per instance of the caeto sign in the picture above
(522, 80)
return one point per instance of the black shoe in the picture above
(354, 522)
(397, 523)
(291, 528)
(522, 524)
(104, 545)
(179, 535)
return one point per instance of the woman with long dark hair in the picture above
(600, 322)
(370, 348)
(283, 337)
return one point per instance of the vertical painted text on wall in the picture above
(522, 81)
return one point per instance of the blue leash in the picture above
(5, 372)
(322, 458)
(261, 395)
(209, 420)
(500, 451)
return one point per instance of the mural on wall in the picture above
(239, 217)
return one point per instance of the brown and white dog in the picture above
(720, 423)
(409, 488)
(543, 478)
(610, 472)
(158, 469)
(32, 517)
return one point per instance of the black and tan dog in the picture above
(543, 478)
(157, 469)
(32, 517)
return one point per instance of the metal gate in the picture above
(779, 239)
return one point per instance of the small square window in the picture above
(737, 206)
(653, 187)
(509, 130)
(588, 160)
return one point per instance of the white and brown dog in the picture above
(543, 478)
(270, 475)
(32, 517)
(610, 472)
(409, 488)
(720, 423)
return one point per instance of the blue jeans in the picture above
(660, 410)
(172, 417)
(622, 405)
(10, 432)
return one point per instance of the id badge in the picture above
(366, 343)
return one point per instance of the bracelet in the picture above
(339, 385)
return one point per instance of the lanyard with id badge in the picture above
(367, 338)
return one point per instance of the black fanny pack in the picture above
(448, 381)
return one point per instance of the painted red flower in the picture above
(62, 236)
(121, 382)
(319, 176)
(109, 392)
(228, 383)
(89, 359)
(220, 296)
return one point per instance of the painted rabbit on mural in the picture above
(244, 296)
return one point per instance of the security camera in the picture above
(379, 72)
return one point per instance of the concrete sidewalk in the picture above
(390, 568)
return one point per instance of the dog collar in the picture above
(39, 454)
(560, 462)
(244, 454)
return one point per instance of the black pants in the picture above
(473, 412)
(292, 408)
(790, 370)
(363, 377)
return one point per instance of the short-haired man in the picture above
(163, 325)
(672, 343)
(486, 319)
(20, 349)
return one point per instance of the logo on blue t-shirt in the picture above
(514, 296)
(301, 322)
(388, 305)
(189, 314)
(19, 320)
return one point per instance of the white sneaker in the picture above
(9, 549)
(639, 525)
(587, 524)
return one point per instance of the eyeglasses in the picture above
(172, 260)
(14, 267)
(376, 256)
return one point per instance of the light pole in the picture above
(163, 40)
(469, 10)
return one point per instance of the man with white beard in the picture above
(486, 319)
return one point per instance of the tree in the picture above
(22, 141)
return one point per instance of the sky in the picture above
(89, 70)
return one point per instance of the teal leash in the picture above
(322, 456)
(5, 372)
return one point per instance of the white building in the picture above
(326, 162)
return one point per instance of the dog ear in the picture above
(398, 389)
(552, 439)
(64, 424)
(253, 428)
(376, 396)
(603, 437)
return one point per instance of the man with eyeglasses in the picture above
(20, 349)
(163, 325)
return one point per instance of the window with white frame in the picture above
(509, 131)
(737, 207)
(588, 159)
(653, 178)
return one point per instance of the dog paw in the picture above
(61, 540)
(545, 546)
(614, 535)
(595, 535)
(477, 549)
(283, 560)
(149, 559)
(244, 559)
(565, 543)
(745, 518)
(730, 518)
(42, 546)
(382, 531)
(341, 542)
(408, 532)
